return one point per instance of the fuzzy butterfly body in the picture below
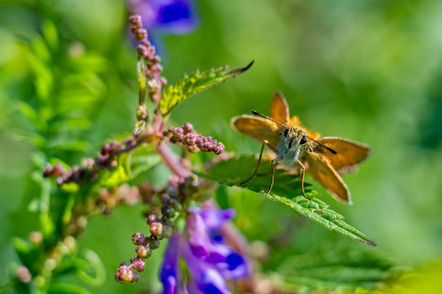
(292, 146)
(297, 147)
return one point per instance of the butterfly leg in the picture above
(257, 166)
(273, 164)
(302, 178)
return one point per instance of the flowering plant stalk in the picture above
(106, 176)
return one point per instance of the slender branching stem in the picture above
(172, 161)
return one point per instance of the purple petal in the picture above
(205, 278)
(175, 16)
(217, 238)
(218, 253)
(238, 267)
(175, 10)
(169, 269)
(214, 219)
(146, 10)
(178, 16)
(212, 282)
(229, 263)
(199, 240)
(193, 288)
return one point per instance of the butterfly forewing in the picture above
(349, 153)
(279, 109)
(259, 129)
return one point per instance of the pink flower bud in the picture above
(156, 228)
(138, 238)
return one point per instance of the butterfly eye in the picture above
(303, 140)
(286, 132)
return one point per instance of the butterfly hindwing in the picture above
(320, 169)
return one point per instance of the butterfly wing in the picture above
(279, 109)
(349, 153)
(321, 170)
(258, 128)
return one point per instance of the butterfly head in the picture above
(292, 136)
(292, 145)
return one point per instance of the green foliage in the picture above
(129, 167)
(67, 90)
(23, 249)
(286, 190)
(91, 268)
(142, 161)
(61, 288)
(120, 174)
(336, 266)
(194, 83)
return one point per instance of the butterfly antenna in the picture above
(270, 119)
(319, 143)
(281, 124)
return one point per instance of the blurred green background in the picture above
(370, 71)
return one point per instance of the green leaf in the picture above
(34, 139)
(23, 249)
(141, 81)
(235, 170)
(194, 83)
(73, 124)
(70, 187)
(30, 113)
(60, 288)
(91, 269)
(142, 160)
(50, 34)
(286, 189)
(44, 77)
(337, 266)
(55, 160)
(118, 175)
(78, 146)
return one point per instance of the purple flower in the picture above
(173, 16)
(169, 271)
(209, 260)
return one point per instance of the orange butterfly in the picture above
(296, 147)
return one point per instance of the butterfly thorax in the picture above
(292, 146)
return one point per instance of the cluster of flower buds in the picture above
(76, 174)
(152, 68)
(164, 206)
(108, 199)
(193, 141)
(105, 159)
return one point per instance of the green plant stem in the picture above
(141, 81)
